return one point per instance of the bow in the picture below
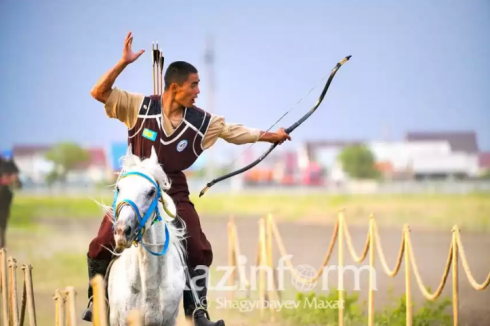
(288, 131)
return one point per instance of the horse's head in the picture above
(140, 199)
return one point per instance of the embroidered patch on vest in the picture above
(181, 145)
(149, 134)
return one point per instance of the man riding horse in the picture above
(9, 179)
(180, 132)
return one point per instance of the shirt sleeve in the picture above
(124, 106)
(230, 132)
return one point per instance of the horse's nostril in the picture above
(127, 231)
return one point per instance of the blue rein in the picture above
(142, 221)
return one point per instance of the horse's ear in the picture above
(129, 151)
(153, 157)
(128, 159)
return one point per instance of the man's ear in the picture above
(174, 88)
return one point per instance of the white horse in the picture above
(148, 273)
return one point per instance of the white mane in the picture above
(132, 162)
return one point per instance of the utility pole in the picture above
(209, 63)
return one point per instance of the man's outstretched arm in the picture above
(103, 88)
(238, 134)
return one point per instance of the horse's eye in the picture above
(151, 192)
(117, 188)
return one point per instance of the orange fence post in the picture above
(371, 271)
(408, 283)
(5, 289)
(455, 278)
(340, 268)
(99, 304)
(14, 309)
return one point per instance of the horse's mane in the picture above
(177, 234)
(155, 170)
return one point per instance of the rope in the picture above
(422, 288)
(382, 258)
(283, 252)
(352, 251)
(456, 249)
(466, 267)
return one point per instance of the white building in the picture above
(401, 154)
(32, 164)
(34, 167)
(461, 162)
(426, 159)
(420, 156)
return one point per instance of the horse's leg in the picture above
(173, 320)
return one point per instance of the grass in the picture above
(26, 208)
(323, 310)
(470, 211)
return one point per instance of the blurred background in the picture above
(403, 131)
(414, 95)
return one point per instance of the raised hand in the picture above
(128, 55)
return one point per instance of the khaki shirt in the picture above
(124, 106)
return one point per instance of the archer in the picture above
(180, 132)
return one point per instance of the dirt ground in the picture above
(307, 243)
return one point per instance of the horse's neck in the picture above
(146, 269)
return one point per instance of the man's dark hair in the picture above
(178, 72)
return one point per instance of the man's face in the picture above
(187, 93)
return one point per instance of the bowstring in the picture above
(295, 105)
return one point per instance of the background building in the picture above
(419, 157)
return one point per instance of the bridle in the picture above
(152, 210)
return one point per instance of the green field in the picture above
(471, 211)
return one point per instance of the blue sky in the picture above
(416, 65)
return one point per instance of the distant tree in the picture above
(358, 162)
(485, 175)
(66, 157)
(51, 177)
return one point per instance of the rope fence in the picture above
(268, 232)
(11, 315)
